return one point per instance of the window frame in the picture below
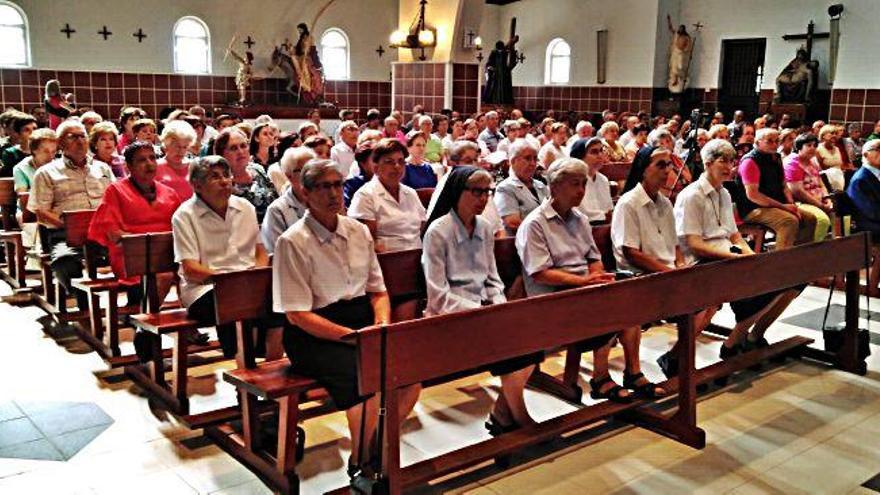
(174, 36)
(341, 32)
(26, 35)
(549, 59)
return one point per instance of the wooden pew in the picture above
(616, 172)
(425, 194)
(398, 355)
(10, 237)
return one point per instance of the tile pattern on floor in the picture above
(48, 430)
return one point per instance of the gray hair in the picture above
(511, 124)
(90, 115)
(657, 135)
(348, 123)
(491, 113)
(459, 147)
(871, 145)
(369, 135)
(306, 125)
(715, 149)
(716, 129)
(764, 133)
(295, 157)
(425, 119)
(200, 168)
(565, 167)
(314, 170)
(517, 147)
(582, 124)
(178, 130)
(606, 127)
(67, 126)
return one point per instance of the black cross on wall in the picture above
(140, 35)
(380, 51)
(105, 33)
(249, 42)
(68, 30)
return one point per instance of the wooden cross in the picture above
(470, 36)
(68, 30)
(105, 33)
(480, 56)
(380, 51)
(140, 35)
(698, 25)
(810, 35)
(521, 57)
(249, 42)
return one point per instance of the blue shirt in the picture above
(419, 176)
(350, 187)
(864, 191)
(460, 270)
(512, 197)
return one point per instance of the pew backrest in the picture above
(7, 203)
(146, 255)
(425, 194)
(243, 294)
(602, 237)
(616, 171)
(76, 226)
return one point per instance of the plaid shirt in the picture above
(60, 186)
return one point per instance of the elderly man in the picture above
(392, 130)
(583, 130)
(739, 120)
(342, 153)
(631, 123)
(491, 136)
(513, 130)
(72, 182)
(864, 192)
(291, 205)
(767, 201)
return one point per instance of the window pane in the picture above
(561, 48)
(333, 39)
(190, 28)
(559, 69)
(335, 63)
(192, 55)
(10, 16)
(12, 47)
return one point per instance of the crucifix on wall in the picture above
(105, 33)
(809, 36)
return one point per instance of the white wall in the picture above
(366, 22)
(631, 26)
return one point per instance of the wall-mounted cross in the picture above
(480, 56)
(249, 42)
(380, 51)
(470, 37)
(810, 35)
(68, 30)
(140, 35)
(521, 58)
(105, 33)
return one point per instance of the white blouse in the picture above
(398, 223)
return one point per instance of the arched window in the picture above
(192, 46)
(558, 62)
(14, 46)
(334, 54)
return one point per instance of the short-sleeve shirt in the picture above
(23, 174)
(597, 198)
(314, 267)
(546, 240)
(281, 214)
(460, 270)
(551, 149)
(343, 156)
(260, 192)
(644, 224)
(61, 186)
(419, 176)
(221, 244)
(489, 214)
(490, 138)
(808, 174)
(175, 179)
(514, 197)
(702, 210)
(398, 223)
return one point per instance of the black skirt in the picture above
(331, 363)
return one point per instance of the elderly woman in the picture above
(679, 176)
(597, 203)
(519, 194)
(555, 147)
(546, 134)
(803, 176)
(291, 205)
(89, 119)
(264, 138)
(127, 117)
(609, 133)
(418, 174)
(460, 273)
(43, 146)
(320, 311)
(103, 143)
(719, 131)
(786, 142)
(363, 158)
(137, 204)
(639, 140)
(390, 209)
(177, 137)
(557, 249)
(320, 145)
(829, 155)
(249, 181)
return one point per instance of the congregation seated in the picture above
(173, 170)
(43, 146)
(291, 205)
(767, 200)
(137, 204)
(389, 208)
(391, 129)
(609, 132)
(22, 126)
(103, 144)
(249, 180)
(519, 194)
(864, 193)
(491, 136)
(433, 144)
(419, 173)
(327, 281)
(803, 176)
(597, 204)
(214, 232)
(554, 148)
(342, 153)
(264, 139)
(680, 176)
(72, 182)
(556, 246)
(320, 145)
(460, 273)
(363, 159)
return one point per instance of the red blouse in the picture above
(175, 179)
(124, 209)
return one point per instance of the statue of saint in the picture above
(244, 76)
(680, 51)
(499, 69)
(797, 81)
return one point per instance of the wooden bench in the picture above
(398, 355)
(616, 172)
(425, 194)
(13, 273)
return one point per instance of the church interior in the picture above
(439, 246)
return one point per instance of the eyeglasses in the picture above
(481, 191)
(74, 137)
(327, 186)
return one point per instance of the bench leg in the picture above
(245, 357)
(95, 315)
(250, 421)
(288, 412)
(48, 283)
(112, 325)
(179, 367)
(60, 299)
(157, 363)
(20, 263)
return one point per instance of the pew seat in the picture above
(271, 380)
(165, 322)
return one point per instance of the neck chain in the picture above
(716, 210)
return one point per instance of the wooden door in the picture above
(742, 71)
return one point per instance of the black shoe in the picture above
(668, 364)
(496, 428)
(197, 338)
(729, 352)
(756, 344)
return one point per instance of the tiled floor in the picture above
(799, 428)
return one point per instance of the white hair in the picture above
(764, 133)
(518, 146)
(608, 126)
(178, 130)
(348, 123)
(582, 124)
(565, 167)
(425, 119)
(67, 126)
(657, 135)
(90, 115)
(871, 145)
(306, 125)
(295, 157)
(715, 149)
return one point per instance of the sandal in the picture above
(496, 428)
(614, 394)
(647, 390)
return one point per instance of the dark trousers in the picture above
(66, 262)
(204, 311)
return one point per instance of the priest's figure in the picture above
(499, 68)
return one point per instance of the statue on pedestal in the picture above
(680, 52)
(798, 80)
(499, 70)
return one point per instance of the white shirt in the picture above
(644, 224)
(533, 141)
(551, 149)
(503, 145)
(625, 138)
(398, 223)
(343, 156)
(210, 133)
(221, 244)
(597, 199)
(276, 175)
(313, 267)
(490, 213)
(702, 210)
